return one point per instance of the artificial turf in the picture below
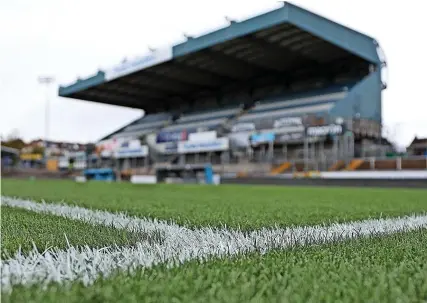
(22, 229)
(248, 207)
(383, 269)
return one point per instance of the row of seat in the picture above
(267, 110)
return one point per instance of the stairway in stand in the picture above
(281, 168)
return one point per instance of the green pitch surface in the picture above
(23, 230)
(381, 269)
(247, 207)
(388, 269)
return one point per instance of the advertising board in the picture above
(290, 137)
(243, 127)
(139, 63)
(202, 136)
(287, 121)
(324, 130)
(171, 136)
(219, 144)
(262, 138)
(131, 152)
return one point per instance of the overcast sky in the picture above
(70, 39)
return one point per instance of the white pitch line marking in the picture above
(179, 244)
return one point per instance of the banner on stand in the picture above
(219, 144)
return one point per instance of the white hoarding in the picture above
(243, 127)
(287, 121)
(324, 130)
(203, 136)
(131, 152)
(142, 179)
(140, 63)
(219, 144)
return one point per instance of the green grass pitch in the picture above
(390, 268)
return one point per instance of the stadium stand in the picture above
(144, 125)
(287, 86)
(264, 113)
(206, 120)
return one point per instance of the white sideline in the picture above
(180, 244)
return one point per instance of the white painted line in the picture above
(180, 244)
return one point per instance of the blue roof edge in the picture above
(344, 37)
(82, 84)
(349, 39)
(234, 30)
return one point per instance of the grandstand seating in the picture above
(189, 121)
(265, 112)
(262, 114)
(207, 119)
(145, 125)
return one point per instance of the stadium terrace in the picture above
(247, 94)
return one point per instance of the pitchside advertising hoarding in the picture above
(219, 144)
(139, 63)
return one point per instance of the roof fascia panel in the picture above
(80, 85)
(344, 37)
(234, 30)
